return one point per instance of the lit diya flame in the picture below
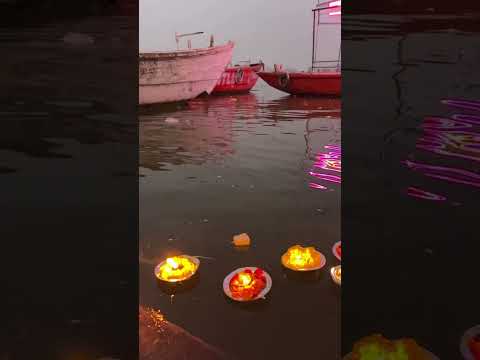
(298, 258)
(245, 280)
(177, 268)
(247, 284)
(336, 273)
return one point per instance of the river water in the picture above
(263, 163)
(410, 188)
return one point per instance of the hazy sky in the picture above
(276, 31)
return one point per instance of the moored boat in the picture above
(321, 80)
(238, 79)
(304, 83)
(180, 75)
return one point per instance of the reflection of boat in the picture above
(238, 79)
(227, 107)
(302, 108)
(321, 80)
(181, 75)
(204, 128)
(200, 135)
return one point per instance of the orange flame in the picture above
(177, 268)
(300, 258)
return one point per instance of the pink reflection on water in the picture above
(326, 177)
(329, 161)
(456, 137)
(450, 174)
(471, 119)
(463, 104)
(317, 186)
(450, 137)
(422, 194)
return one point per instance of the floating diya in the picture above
(337, 250)
(177, 268)
(247, 284)
(298, 258)
(336, 273)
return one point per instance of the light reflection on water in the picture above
(207, 130)
(330, 161)
(453, 137)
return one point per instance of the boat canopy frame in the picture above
(189, 42)
(319, 65)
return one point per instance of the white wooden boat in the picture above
(181, 75)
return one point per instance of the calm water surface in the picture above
(411, 178)
(262, 163)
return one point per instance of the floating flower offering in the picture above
(474, 346)
(177, 268)
(337, 250)
(470, 345)
(336, 273)
(247, 284)
(377, 347)
(298, 258)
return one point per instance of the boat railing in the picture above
(189, 42)
(330, 9)
(326, 65)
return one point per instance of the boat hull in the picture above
(237, 80)
(305, 83)
(181, 75)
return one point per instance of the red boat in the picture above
(305, 83)
(238, 79)
(320, 80)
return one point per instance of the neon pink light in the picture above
(463, 104)
(422, 194)
(459, 176)
(471, 119)
(464, 145)
(437, 123)
(335, 13)
(317, 186)
(330, 161)
(331, 178)
(335, 3)
(457, 136)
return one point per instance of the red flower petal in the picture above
(259, 273)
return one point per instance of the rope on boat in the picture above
(238, 76)
(284, 80)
